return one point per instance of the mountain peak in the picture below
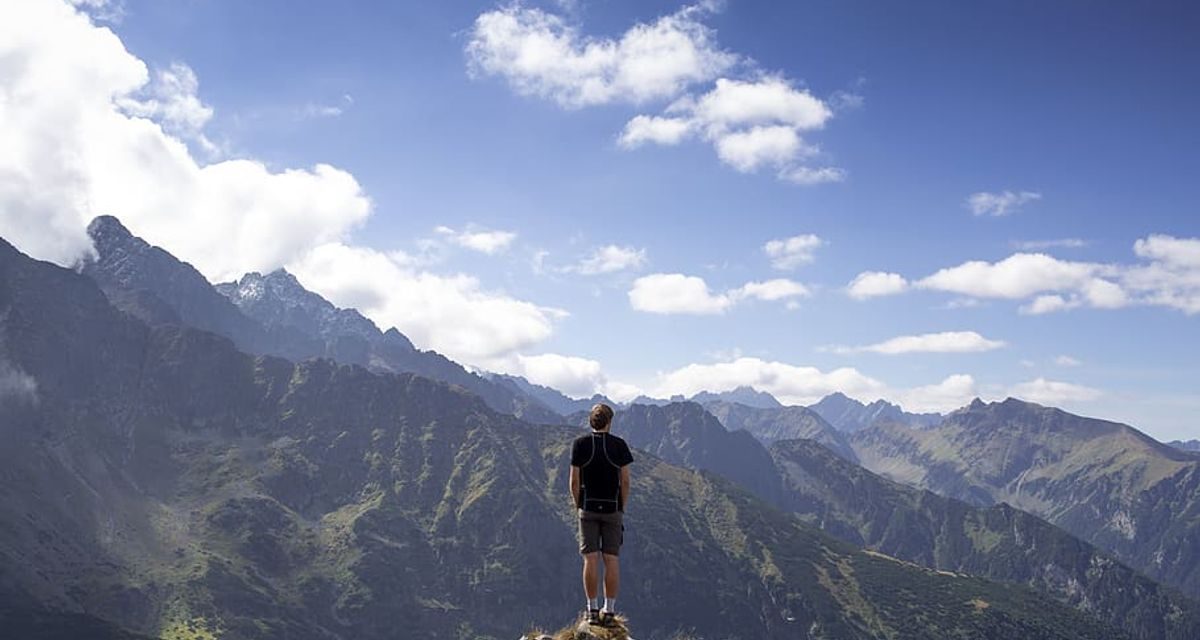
(107, 226)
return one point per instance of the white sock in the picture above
(610, 605)
(593, 603)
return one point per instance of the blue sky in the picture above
(1081, 115)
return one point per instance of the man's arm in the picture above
(575, 487)
(624, 486)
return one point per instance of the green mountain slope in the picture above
(1105, 482)
(161, 480)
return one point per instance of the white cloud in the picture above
(1051, 392)
(1018, 276)
(1049, 304)
(944, 342)
(453, 315)
(789, 253)
(947, 395)
(676, 293)
(790, 384)
(1042, 245)
(801, 385)
(611, 258)
(576, 377)
(541, 54)
(671, 293)
(1066, 361)
(1169, 276)
(171, 100)
(812, 175)
(654, 129)
(752, 148)
(751, 123)
(771, 290)
(1171, 251)
(74, 149)
(1003, 203)
(486, 241)
(871, 284)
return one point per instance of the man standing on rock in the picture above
(600, 489)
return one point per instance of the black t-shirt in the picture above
(600, 456)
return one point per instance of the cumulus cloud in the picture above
(87, 131)
(541, 54)
(486, 241)
(1003, 203)
(751, 124)
(1066, 361)
(451, 314)
(944, 342)
(871, 284)
(610, 259)
(1052, 392)
(803, 385)
(789, 253)
(949, 394)
(645, 129)
(672, 293)
(676, 293)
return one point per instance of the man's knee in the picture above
(591, 558)
(610, 560)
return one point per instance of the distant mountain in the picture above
(781, 423)
(850, 415)
(1107, 483)
(552, 398)
(996, 542)
(1186, 445)
(159, 480)
(747, 396)
(684, 433)
(271, 315)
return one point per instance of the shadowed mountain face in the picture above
(552, 398)
(159, 479)
(684, 433)
(271, 315)
(781, 423)
(850, 415)
(1105, 482)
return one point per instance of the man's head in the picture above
(601, 417)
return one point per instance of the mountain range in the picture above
(271, 315)
(1105, 482)
(159, 481)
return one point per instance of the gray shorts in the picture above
(601, 532)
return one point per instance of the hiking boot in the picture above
(608, 618)
(593, 616)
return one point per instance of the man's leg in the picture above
(612, 576)
(591, 575)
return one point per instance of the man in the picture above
(600, 488)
